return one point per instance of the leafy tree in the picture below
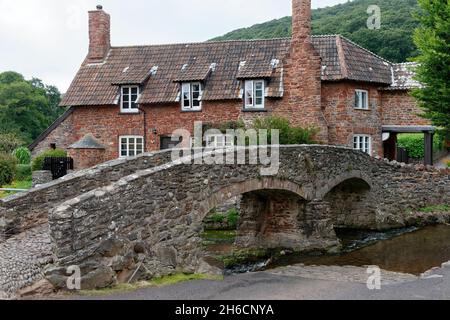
(433, 40)
(9, 142)
(26, 107)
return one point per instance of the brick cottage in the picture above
(129, 100)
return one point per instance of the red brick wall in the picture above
(86, 158)
(338, 101)
(399, 108)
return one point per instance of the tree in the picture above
(432, 38)
(27, 108)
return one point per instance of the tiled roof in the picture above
(403, 77)
(221, 65)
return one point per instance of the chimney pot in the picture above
(99, 7)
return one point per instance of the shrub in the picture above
(7, 168)
(448, 164)
(288, 134)
(38, 162)
(9, 142)
(415, 144)
(23, 172)
(233, 217)
(23, 155)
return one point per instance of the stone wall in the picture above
(156, 214)
(26, 210)
(400, 108)
(338, 103)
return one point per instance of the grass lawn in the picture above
(25, 184)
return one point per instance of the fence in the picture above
(402, 155)
(58, 166)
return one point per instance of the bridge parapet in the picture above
(154, 216)
(29, 209)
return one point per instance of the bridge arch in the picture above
(350, 202)
(338, 180)
(216, 198)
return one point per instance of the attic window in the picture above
(254, 94)
(191, 96)
(128, 101)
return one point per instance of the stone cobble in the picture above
(22, 259)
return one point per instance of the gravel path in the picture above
(22, 258)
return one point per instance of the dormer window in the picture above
(191, 96)
(362, 99)
(254, 94)
(128, 101)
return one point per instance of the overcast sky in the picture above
(48, 39)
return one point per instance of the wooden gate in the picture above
(58, 166)
(402, 155)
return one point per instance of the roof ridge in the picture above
(404, 63)
(200, 42)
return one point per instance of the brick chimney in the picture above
(99, 34)
(301, 20)
(304, 86)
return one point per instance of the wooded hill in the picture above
(393, 41)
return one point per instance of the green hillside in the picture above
(393, 41)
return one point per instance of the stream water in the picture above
(411, 251)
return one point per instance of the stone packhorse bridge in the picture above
(152, 218)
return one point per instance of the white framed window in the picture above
(363, 143)
(191, 96)
(130, 146)
(254, 94)
(362, 99)
(219, 141)
(129, 96)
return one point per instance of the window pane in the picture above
(364, 100)
(134, 91)
(134, 97)
(126, 90)
(196, 87)
(357, 100)
(249, 93)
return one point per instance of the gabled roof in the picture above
(50, 129)
(221, 65)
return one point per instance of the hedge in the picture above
(38, 162)
(7, 168)
(415, 144)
